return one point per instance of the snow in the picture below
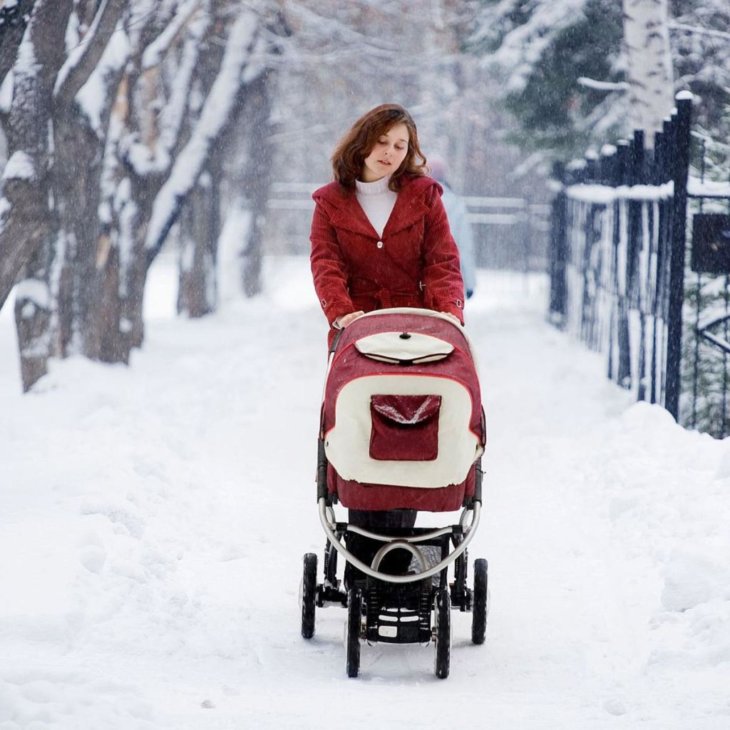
(155, 51)
(604, 194)
(19, 167)
(6, 92)
(92, 97)
(708, 188)
(602, 85)
(153, 520)
(34, 290)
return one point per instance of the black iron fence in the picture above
(509, 233)
(624, 280)
(705, 372)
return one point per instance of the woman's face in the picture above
(387, 155)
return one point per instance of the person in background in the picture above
(380, 238)
(458, 222)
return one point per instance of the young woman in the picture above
(380, 238)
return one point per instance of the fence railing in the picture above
(509, 232)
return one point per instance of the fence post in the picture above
(559, 249)
(680, 171)
(623, 171)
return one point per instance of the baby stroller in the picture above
(402, 428)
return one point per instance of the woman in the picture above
(380, 238)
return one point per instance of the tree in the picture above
(565, 67)
(561, 70)
(140, 111)
(649, 64)
(26, 225)
(700, 41)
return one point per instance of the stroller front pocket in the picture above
(404, 427)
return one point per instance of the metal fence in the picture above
(624, 279)
(706, 365)
(509, 232)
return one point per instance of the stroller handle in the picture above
(469, 532)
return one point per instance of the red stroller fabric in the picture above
(402, 419)
(405, 427)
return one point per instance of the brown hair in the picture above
(349, 155)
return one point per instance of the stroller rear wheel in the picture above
(309, 594)
(352, 634)
(442, 662)
(479, 606)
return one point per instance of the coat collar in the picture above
(410, 206)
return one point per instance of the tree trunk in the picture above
(257, 177)
(76, 179)
(25, 220)
(33, 314)
(200, 230)
(28, 225)
(646, 38)
(78, 168)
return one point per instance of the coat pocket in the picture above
(404, 427)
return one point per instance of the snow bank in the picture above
(153, 519)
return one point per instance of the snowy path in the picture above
(153, 519)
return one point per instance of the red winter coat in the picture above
(415, 263)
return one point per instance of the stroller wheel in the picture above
(479, 606)
(443, 634)
(352, 635)
(309, 594)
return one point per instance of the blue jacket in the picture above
(463, 235)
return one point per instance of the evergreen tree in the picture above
(562, 70)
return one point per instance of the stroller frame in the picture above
(388, 608)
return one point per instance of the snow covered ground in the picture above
(153, 520)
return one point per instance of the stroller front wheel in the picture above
(442, 633)
(309, 594)
(352, 635)
(479, 607)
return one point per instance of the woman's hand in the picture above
(345, 319)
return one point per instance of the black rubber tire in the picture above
(309, 594)
(352, 635)
(442, 661)
(479, 602)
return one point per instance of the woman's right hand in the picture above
(345, 319)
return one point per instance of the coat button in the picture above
(379, 244)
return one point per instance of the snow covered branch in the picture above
(173, 114)
(84, 58)
(602, 85)
(216, 112)
(155, 52)
(697, 29)
(13, 21)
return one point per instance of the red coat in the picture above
(415, 263)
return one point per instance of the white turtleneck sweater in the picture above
(377, 200)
